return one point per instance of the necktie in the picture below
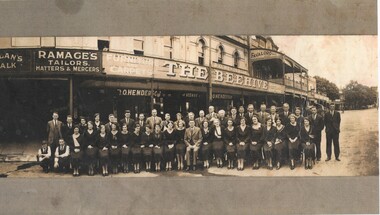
(314, 116)
(55, 122)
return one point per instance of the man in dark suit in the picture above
(284, 115)
(263, 115)
(141, 122)
(316, 121)
(193, 139)
(234, 116)
(68, 128)
(128, 121)
(111, 120)
(240, 115)
(332, 123)
(54, 131)
(250, 113)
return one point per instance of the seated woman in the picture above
(242, 137)
(256, 142)
(77, 147)
(114, 148)
(279, 142)
(180, 146)
(269, 132)
(90, 147)
(125, 140)
(44, 156)
(206, 143)
(62, 157)
(158, 147)
(292, 132)
(136, 148)
(307, 141)
(147, 147)
(217, 142)
(102, 141)
(170, 140)
(230, 143)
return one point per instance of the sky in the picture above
(337, 58)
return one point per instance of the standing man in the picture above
(190, 117)
(199, 121)
(154, 119)
(332, 123)
(193, 139)
(111, 120)
(128, 121)
(241, 115)
(67, 129)
(263, 115)
(54, 130)
(166, 122)
(250, 114)
(234, 116)
(316, 121)
(211, 116)
(284, 116)
(141, 122)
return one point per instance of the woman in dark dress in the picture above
(279, 142)
(115, 149)
(158, 147)
(136, 148)
(256, 143)
(206, 143)
(170, 139)
(269, 132)
(230, 143)
(90, 147)
(242, 137)
(180, 147)
(147, 149)
(125, 141)
(76, 146)
(102, 142)
(307, 141)
(217, 142)
(292, 133)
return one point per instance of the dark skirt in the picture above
(255, 151)
(125, 153)
(76, 159)
(91, 154)
(157, 154)
(136, 154)
(231, 152)
(103, 157)
(147, 152)
(293, 149)
(278, 149)
(268, 151)
(218, 148)
(205, 151)
(169, 153)
(309, 150)
(241, 151)
(180, 149)
(115, 153)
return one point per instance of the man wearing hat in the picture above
(128, 121)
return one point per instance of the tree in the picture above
(327, 87)
(357, 96)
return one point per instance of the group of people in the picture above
(268, 139)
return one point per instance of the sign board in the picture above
(264, 54)
(225, 78)
(65, 60)
(15, 60)
(127, 65)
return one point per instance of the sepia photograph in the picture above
(189, 107)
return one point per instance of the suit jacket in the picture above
(54, 132)
(67, 132)
(276, 116)
(332, 122)
(239, 117)
(151, 122)
(249, 118)
(262, 117)
(285, 118)
(142, 125)
(199, 122)
(235, 119)
(317, 123)
(193, 137)
(130, 124)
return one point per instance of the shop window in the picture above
(103, 45)
(201, 51)
(220, 54)
(138, 47)
(236, 59)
